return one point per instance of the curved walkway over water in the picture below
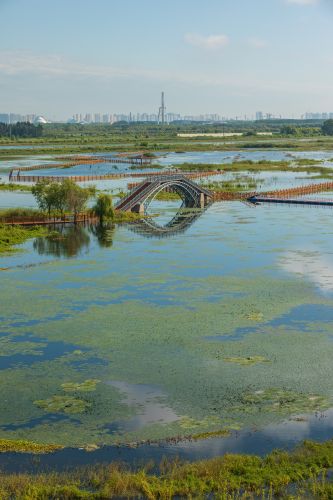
(193, 195)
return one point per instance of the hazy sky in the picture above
(232, 57)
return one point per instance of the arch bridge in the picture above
(138, 199)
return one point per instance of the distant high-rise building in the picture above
(259, 115)
(106, 118)
(97, 118)
(4, 118)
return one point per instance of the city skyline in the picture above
(223, 58)
(110, 118)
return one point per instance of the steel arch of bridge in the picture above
(193, 195)
(190, 196)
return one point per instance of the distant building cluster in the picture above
(110, 118)
(266, 116)
(12, 118)
(318, 116)
(307, 116)
(141, 117)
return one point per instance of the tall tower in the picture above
(161, 111)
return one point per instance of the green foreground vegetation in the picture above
(294, 475)
(10, 236)
(13, 235)
(8, 445)
(302, 165)
(14, 187)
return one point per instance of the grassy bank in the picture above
(20, 212)
(10, 236)
(260, 166)
(8, 445)
(298, 474)
(240, 183)
(14, 187)
(155, 141)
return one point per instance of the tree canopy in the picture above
(103, 207)
(327, 127)
(20, 129)
(61, 196)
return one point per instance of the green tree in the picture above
(62, 196)
(76, 198)
(327, 127)
(103, 207)
(45, 193)
(290, 130)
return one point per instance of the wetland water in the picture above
(117, 336)
(264, 180)
(224, 327)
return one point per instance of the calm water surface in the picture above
(125, 334)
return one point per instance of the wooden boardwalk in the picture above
(82, 218)
(291, 201)
(74, 161)
(85, 178)
(279, 193)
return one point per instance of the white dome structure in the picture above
(40, 120)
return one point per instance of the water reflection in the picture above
(104, 233)
(150, 402)
(310, 265)
(70, 242)
(183, 219)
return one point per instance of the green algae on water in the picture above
(283, 401)
(86, 386)
(255, 316)
(16, 235)
(63, 404)
(19, 446)
(248, 361)
(210, 435)
(9, 347)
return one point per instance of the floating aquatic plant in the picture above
(283, 401)
(255, 316)
(9, 347)
(19, 446)
(86, 386)
(210, 435)
(191, 423)
(63, 404)
(248, 361)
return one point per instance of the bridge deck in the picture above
(292, 201)
(139, 195)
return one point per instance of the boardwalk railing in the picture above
(314, 202)
(280, 193)
(84, 160)
(84, 178)
(46, 220)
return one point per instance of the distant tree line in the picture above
(20, 129)
(149, 130)
(327, 127)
